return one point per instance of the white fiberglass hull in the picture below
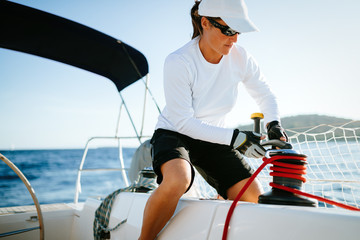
(194, 219)
(204, 219)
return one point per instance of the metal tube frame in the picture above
(33, 195)
(121, 159)
(81, 169)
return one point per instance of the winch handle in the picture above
(277, 143)
(257, 118)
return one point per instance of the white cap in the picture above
(232, 12)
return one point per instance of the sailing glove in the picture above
(275, 131)
(248, 143)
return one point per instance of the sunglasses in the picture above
(224, 29)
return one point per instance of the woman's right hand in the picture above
(248, 143)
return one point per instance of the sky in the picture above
(308, 50)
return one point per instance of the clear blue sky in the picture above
(307, 49)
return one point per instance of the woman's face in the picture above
(214, 44)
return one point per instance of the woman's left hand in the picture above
(275, 131)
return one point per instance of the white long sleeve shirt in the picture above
(200, 94)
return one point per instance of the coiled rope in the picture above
(102, 214)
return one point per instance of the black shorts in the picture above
(220, 165)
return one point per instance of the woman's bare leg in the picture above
(163, 201)
(252, 193)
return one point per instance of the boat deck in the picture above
(31, 208)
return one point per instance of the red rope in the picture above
(321, 199)
(285, 170)
(233, 205)
(288, 170)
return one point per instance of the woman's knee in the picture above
(177, 176)
(250, 195)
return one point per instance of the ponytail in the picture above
(196, 20)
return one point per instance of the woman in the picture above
(200, 82)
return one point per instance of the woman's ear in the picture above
(205, 23)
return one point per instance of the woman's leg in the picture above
(251, 194)
(163, 201)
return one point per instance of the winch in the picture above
(288, 169)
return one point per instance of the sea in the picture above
(53, 173)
